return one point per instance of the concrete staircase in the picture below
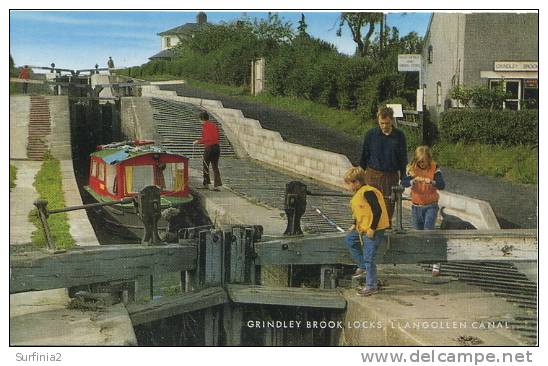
(39, 127)
(178, 126)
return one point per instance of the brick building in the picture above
(489, 49)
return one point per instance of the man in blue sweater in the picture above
(384, 155)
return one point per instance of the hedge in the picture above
(494, 127)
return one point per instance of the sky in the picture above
(80, 39)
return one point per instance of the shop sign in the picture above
(516, 66)
(409, 62)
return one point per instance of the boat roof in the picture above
(119, 154)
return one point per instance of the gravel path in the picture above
(514, 204)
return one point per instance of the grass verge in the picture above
(342, 120)
(48, 184)
(518, 164)
(13, 176)
(515, 163)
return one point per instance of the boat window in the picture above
(111, 178)
(93, 170)
(101, 171)
(170, 177)
(138, 177)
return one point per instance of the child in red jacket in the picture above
(425, 179)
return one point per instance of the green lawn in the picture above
(48, 184)
(518, 164)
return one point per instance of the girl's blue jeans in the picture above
(365, 257)
(424, 217)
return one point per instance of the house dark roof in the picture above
(184, 29)
(166, 54)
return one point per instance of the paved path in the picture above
(416, 309)
(515, 205)
(21, 201)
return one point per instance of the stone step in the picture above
(36, 137)
(36, 152)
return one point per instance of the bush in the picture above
(505, 127)
(479, 96)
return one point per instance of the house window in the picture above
(430, 54)
(530, 93)
(168, 41)
(517, 94)
(438, 93)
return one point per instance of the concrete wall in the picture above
(479, 213)
(328, 167)
(269, 147)
(59, 140)
(19, 126)
(136, 119)
(491, 37)
(60, 147)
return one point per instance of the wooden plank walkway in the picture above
(408, 247)
(33, 271)
(176, 305)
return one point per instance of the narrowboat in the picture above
(120, 170)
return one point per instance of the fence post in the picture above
(42, 206)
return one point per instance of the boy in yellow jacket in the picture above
(371, 218)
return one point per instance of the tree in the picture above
(273, 31)
(355, 22)
(13, 69)
(302, 26)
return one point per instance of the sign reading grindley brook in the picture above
(409, 62)
(515, 66)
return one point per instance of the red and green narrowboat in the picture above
(120, 170)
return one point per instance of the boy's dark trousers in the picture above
(211, 155)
